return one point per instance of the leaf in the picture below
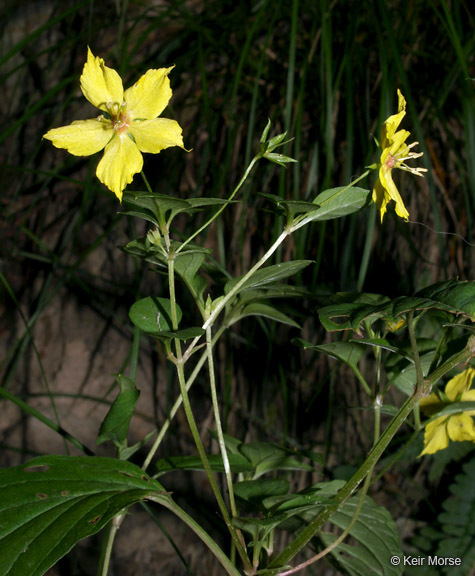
(335, 203)
(237, 462)
(403, 374)
(277, 158)
(451, 536)
(266, 310)
(255, 491)
(266, 457)
(270, 274)
(52, 502)
(453, 296)
(187, 266)
(459, 295)
(377, 536)
(142, 248)
(153, 315)
(374, 531)
(290, 207)
(457, 521)
(272, 291)
(116, 423)
(348, 352)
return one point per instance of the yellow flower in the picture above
(127, 127)
(394, 154)
(456, 427)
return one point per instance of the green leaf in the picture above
(129, 451)
(237, 462)
(374, 531)
(116, 423)
(255, 491)
(272, 291)
(452, 296)
(457, 521)
(198, 203)
(187, 266)
(459, 295)
(290, 207)
(153, 315)
(337, 202)
(144, 214)
(348, 352)
(263, 140)
(142, 248)
(270, 274)
(454, 408)
(266, 310)
(266, 457)
(277, 158)
(52, 502)
(403, 374)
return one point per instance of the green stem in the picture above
(192, 423)
(343, 535)
(422, 387)
(222, 303)
(107, 551)
(219, 429)
(27, 409)
(218, 212)
(198, 530)
(178, 402)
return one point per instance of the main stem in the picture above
(192, 423)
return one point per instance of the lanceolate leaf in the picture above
(455, 297)
(375, 534)
(459, 295)
(266, 310)
(270, 274)
(237, 463)
(335, 203)
(52, 502)
(116, 423)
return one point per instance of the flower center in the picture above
(121, 123)
(119, 117)
(390, 162)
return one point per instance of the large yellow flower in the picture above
(127, 127)
(456, 427)
(394, 154)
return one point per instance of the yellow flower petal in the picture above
(469, 397)
(155, 135)
(435, 436)
(460, 384)
(99, 84)
(149, 96)
(397, 143)
(460, 427)
(121, 161)
(380, 198)
(82, 137)
(392, 123)
(391, 193)
(431, 404)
